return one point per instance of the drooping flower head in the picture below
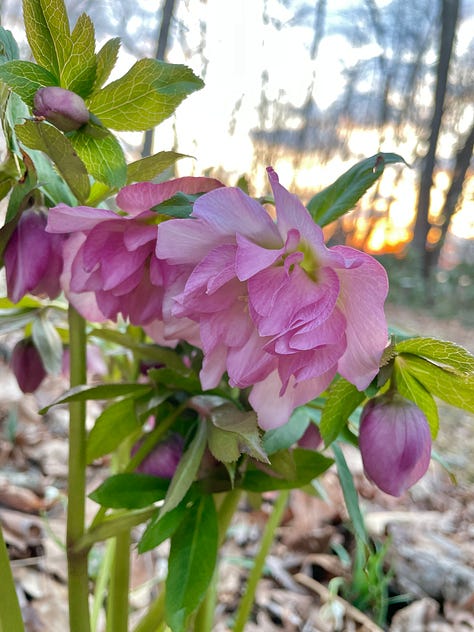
(395, 443)
(277, 309)
(163, 460)
(110, 263)
(33, 258)
(27, 365)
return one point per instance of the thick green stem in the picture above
(117, 602)
(78, 580)
(10, 613)
(257, 570)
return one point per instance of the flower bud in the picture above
(33, 258)
(395, 443)
(63, 108)
(311, 439)
(164, 458)
(27, 365)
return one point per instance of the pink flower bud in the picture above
(27, 366)
(164, 459)
(395, 443)
(33, 258)
(311, 439)
(63, 108)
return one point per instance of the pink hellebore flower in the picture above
(395, 443)
(110, 267)
(33, 258)
(277, 309)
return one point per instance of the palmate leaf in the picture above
(79, 71)
(145, 96)
(40, 37)
(449, 355)
(57, 146)
(341, 196)
(105, 61)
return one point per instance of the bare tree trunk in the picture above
(162, 45)
(463, 160)
(449, 16)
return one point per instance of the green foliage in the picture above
(179, 205)
(287, 435)
(130, 491)
(8, 46)
(78, 73)
(343, 399)
(106, 60)
(25, 78)
(48, 343)
(350, 494)
(408, 386)
(341, 196)
(12, 319)
(83, 393)
(161, 527)
(148, 168)
(232, 432)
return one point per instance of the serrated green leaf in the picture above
(111, 427)
(79, 71)
(448, 355)
(239, 433)
(39, 37)
(48, 343)
(106, 59)
(412, 389)
(25, 78)
(54, 144)
(102, 155)
(308, 463)
(130, 491)
(57, 23)
(160, 528)
(342, 400)
(341, 196)
(19, 192)
(453, 389)
(186, 470)
(16, 318)
(144, 97)
(182, 379)
(191, 562)
(148, 168)
(83, 393)
(8, 46)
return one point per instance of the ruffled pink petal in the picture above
(249, 364)
(252, 258)
(137, 234)
(213, 367)
(67, 219)
(364, 287)
(230, 211)
(141, 196)
(186, 241)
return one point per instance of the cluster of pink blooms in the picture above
(269, 304)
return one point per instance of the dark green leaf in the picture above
(106, 59)
(148, 168)
(102, 155)
(448, 355)
(183, 379)
(232, 432)
(341, 196)
(48, 343)
(8, 46)
(179, 205)
(412, 389)
(191, 562)
(160, 528)
(186, 470)
(19, 192)
(79, 71)
(83, 393)
(111, 427)
(25, 78)
(130, 491)
(350, 494)
(287, 435)
(309, 465)
(342, 400)
(50, 140)
(144, 97)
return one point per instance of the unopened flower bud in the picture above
(33, 258)
(311, 439)
(27, 365)
(164, 459)
(395, 443)
(63, 108)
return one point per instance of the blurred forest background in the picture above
(312, 86)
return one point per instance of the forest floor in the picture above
(429, 531)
